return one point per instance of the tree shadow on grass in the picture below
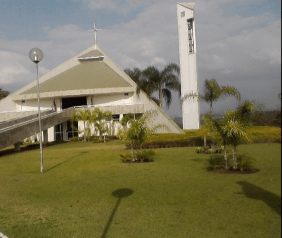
(255, 192)
(119, 193)
(83, 152)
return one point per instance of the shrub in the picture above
(219, 149)
(96, 139)
(215, 161)
(264, 134)
(75, 139)
(245, 162)
(33, 145)
(211, 151)
(190, 138)
(145, 155)
(141, 155)
(125, 157)
(200, 150)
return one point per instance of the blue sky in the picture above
(239, 42)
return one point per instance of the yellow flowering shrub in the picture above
(264, 134)
(258, 134)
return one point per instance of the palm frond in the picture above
(3, 93)
(167, 96)
(171, 68)
(152, 74)
(235, 129)
(172, 83)
(212, 91)
(157, 101)
(230, 91)
(190, 96)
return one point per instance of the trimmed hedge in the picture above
(265, 134)
(259, 134)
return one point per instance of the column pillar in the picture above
(45, 136)
(65, 131)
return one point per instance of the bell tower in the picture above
(188, 64)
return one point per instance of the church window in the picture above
(190, 35)
(116, 117)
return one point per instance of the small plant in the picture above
(245, 162)
(145, 155)
(211, 151)
(219, 149)
(75, 139)
(200, 150)
(125, 157)
(215, 161)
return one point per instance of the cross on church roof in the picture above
(95, 33)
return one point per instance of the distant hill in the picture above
(272, 119)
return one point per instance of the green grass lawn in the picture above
(86, 191)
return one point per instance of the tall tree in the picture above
(3, 93)
(142, 83)
(212, 93)
(163, 81)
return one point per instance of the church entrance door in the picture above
(72, 102)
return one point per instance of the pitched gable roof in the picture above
(86, 75)
(89, 72)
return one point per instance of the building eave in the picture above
(74, 93)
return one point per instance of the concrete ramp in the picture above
(12, 134)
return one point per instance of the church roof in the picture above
(86, 75)
(91, 69)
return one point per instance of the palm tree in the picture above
(216, 127)
(3, 93)
(98, 119)
(231, 129)
(142, 84)
(235, 132)
(212, 93)
(140, 129)
(82, 115)
(163, 81)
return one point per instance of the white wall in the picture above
(112, 99)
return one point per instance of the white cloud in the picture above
(11, 67)
(231, 48)
(120, 7)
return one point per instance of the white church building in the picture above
(90, 79)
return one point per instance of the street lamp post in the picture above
(36, 56)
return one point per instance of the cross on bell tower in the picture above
(95, 33)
